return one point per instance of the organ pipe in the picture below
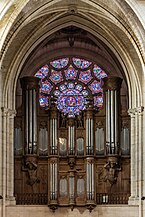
(53, 132)
(90, 179)
(89, 131)
(30, 91)
(111, 88)
(71, 137)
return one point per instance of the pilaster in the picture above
(136, 155)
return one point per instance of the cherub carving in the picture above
(109, 172)
(30, 166)
(112, 168)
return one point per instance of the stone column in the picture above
(111, 88)
(4, 153)
(132, 144)
(140, 168)
(10, 159)
(137, 190)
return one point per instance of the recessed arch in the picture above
(64, 22)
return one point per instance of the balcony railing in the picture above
(42, 199)
(112, 198)
(31, 199)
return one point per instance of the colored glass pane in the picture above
(56, 77)
(56, 93)
(46, 87)
(85, 77)
(79, 87)
(60, 63)
(70, 85)
(71, 101)
(85, 93)
(43, 100)
(81, 63)
(42, 72)
(70, 73)
(71, 96)
(62, 87)
(95, 87)
(98, 72)
(98, 101)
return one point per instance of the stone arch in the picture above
(130, 57)
(126, 61)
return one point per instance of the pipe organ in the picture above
(69, 161)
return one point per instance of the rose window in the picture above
(70, 81)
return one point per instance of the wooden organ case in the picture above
(73, 162)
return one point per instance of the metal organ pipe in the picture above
(89, 132)
(27, 121)
(30, 89)
(34, 122)
(112, 122)
(111, 88)
(53, 131)
(116, 120)
(71, 137)
(90, 179)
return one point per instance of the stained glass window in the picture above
(71, 87)
(98, 101)
(70, 73)
(98, 72)
(81, 63)
(56, 77)
(60, 63)
(43, 72)
(46, 87)
(43, 100)
(85, 77)
(71, 101)
(95, 87)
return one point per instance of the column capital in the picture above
(131, 111)
(12, 113)
(112, 83)
(137, 110)
(8, 112)
(4, 111)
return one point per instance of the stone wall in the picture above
(99, 211)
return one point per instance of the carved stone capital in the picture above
(12, 113)
(140, 109)
(131, 112)
(4, 111)
(137, 110)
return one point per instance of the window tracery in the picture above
(78, 79)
